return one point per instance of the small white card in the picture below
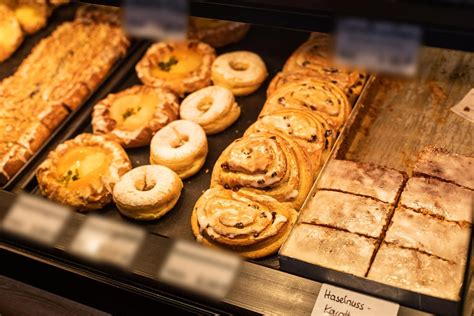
(378, 46)
(195, 268)
(107, 241)
(465, 108)
(36, 219)
(334, 300)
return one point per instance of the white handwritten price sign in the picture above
(206, 271)
(107, 241)
(334, 301)
(157, 19)
(378, 46)
(36, 219)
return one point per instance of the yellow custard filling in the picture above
(177, 63)
(132, 112)
(82, 166)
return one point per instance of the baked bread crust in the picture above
(184, 82)
(216, 33)
(11, 34)
(166, 111)
(95, 191)
(259, 229)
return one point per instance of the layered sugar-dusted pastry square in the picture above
(445, 200)
(356, 214)
(330, 248)
(366, 179)
(418, 272)
(447, 240)
(439, 163)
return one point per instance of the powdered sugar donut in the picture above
(180, 146)
(147, 192)
(242, 72)
(214, 108)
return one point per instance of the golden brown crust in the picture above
(271, 164)
(311, 130)
(11, 35)
(260, 231)
(216, 33)
(32, 15)
(95, 190)
(12, 158)
(160, 55)
(314, 95)
(314, 58)
(166, 111)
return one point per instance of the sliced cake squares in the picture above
(415, 271)
(353, 213)
(444, 200)
(330, 248)
(447, 240)
(439, 163)
(381, 183)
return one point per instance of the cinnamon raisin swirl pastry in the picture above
(272, 164)
(314, 95)
(310, 129)
(248, 223)
(314, 58)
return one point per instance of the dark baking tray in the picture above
(393, 120)
(274, 46)
(7, 68)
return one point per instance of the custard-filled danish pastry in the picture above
(180, 146)
(216, 33)
(251, 224)
(242, 72)
(134, 115)
(11, 35)
(214, 108)
(272, 164)
(182, 67)
(310, 129)
(82, 172)
(314, 58)
(314, 95)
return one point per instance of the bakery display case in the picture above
(312, 173)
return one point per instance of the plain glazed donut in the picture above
(242, 72)
(147, 192)
(180, 146)
(214, 108)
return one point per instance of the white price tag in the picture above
(158, 19)
(378, 46)
(199, 269)
(36, 219)
(465, 108)
(334, 300)
(104, 240)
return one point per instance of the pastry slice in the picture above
(439, 163)
(330, 248)
(446, 240)
(444, 200)
(381, 183)
(356, 214)
(417, 272)
(12, 158)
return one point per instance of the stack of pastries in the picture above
(279, 156)
(18, 17)
(371, 222)
(53, 80)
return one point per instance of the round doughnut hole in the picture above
(143, 185)
(205, 104)
(238, 65)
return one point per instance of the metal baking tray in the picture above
(274, 46)
(393, 120)
(7, 68)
